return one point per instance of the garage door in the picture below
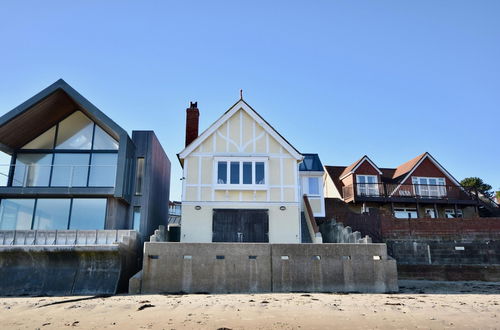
(240, 225)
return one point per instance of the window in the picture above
(52, 213)
(451, 213)
(139, 175)
(32, 170)
(75, 132)
(137, 218)
(313, 185)
(367, 185)
(429, 187)
(103, 170)
(70, 170)
(405, 213)
(44, 141)
(103, 141)
(430, 213)
(88, 213)
(244, 173)
(16, 214)
(222, 172)
(235, 173)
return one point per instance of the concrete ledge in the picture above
(237, 267)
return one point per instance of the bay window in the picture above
(240, 173)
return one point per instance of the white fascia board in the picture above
(361, 162)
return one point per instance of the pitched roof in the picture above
(351, 168)
(334, 173)
(42, 111)
(408, 166)
(311, 163)
(240, 104)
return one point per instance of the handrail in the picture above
(311, 221)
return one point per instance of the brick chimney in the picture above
(192, 120)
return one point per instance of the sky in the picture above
(389, 79)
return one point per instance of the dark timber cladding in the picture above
(240, 225)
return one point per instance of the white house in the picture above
(240, 180)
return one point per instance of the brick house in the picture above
(419, 188)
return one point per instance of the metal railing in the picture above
(390, 190)
(35, 175)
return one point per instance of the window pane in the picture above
(361, 178)
(88, 213)
(51, 213)
(139, 176)
(222, 172)
(75, 132)
(16, 214)
(259, 173)
(104, 141)
(137, 218)
(247, 173)
(44, 141)
(371, 179)
(32, 170)
(313, 186)
(70, 170)
(235, 172)
(103, 170)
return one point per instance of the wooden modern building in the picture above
(72, 167)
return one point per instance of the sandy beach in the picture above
(419, 304)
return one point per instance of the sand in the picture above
(420, 304)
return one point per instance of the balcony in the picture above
(68, 176)
(386, 192)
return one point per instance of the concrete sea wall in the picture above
(236, 267)
(66, 262)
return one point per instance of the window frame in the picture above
(366, 186)
(240, 185)
(428, 190)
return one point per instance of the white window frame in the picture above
(428, 190)
(406, 210)
(306, 186)
(370, 189)
(460, 213)
(241, 185)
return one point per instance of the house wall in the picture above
(240, 136)
(367, 169)
(317, 202)
(329, 188)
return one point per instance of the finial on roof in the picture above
(241, 94)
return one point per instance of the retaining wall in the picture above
(236, 267)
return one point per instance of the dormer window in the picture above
(241, 173)
(367, 185)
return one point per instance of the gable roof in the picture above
(311, 163)
(334, 172)
(240, 104)
(42, 111)
(352, 168)
(409, 167)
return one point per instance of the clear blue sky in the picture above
(390, 79)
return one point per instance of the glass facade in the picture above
(137, 218)
(52, 213)
(64, 156)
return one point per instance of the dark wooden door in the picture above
(240, 225)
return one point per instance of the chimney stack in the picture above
(192, 120)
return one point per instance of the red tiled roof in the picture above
(350, 167)
(408, 166)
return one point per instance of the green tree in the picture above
(479, 184)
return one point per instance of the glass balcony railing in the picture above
(36, 175)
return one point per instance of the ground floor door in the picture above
(240, 225)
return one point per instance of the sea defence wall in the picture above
(67, 262)
(239, 268)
